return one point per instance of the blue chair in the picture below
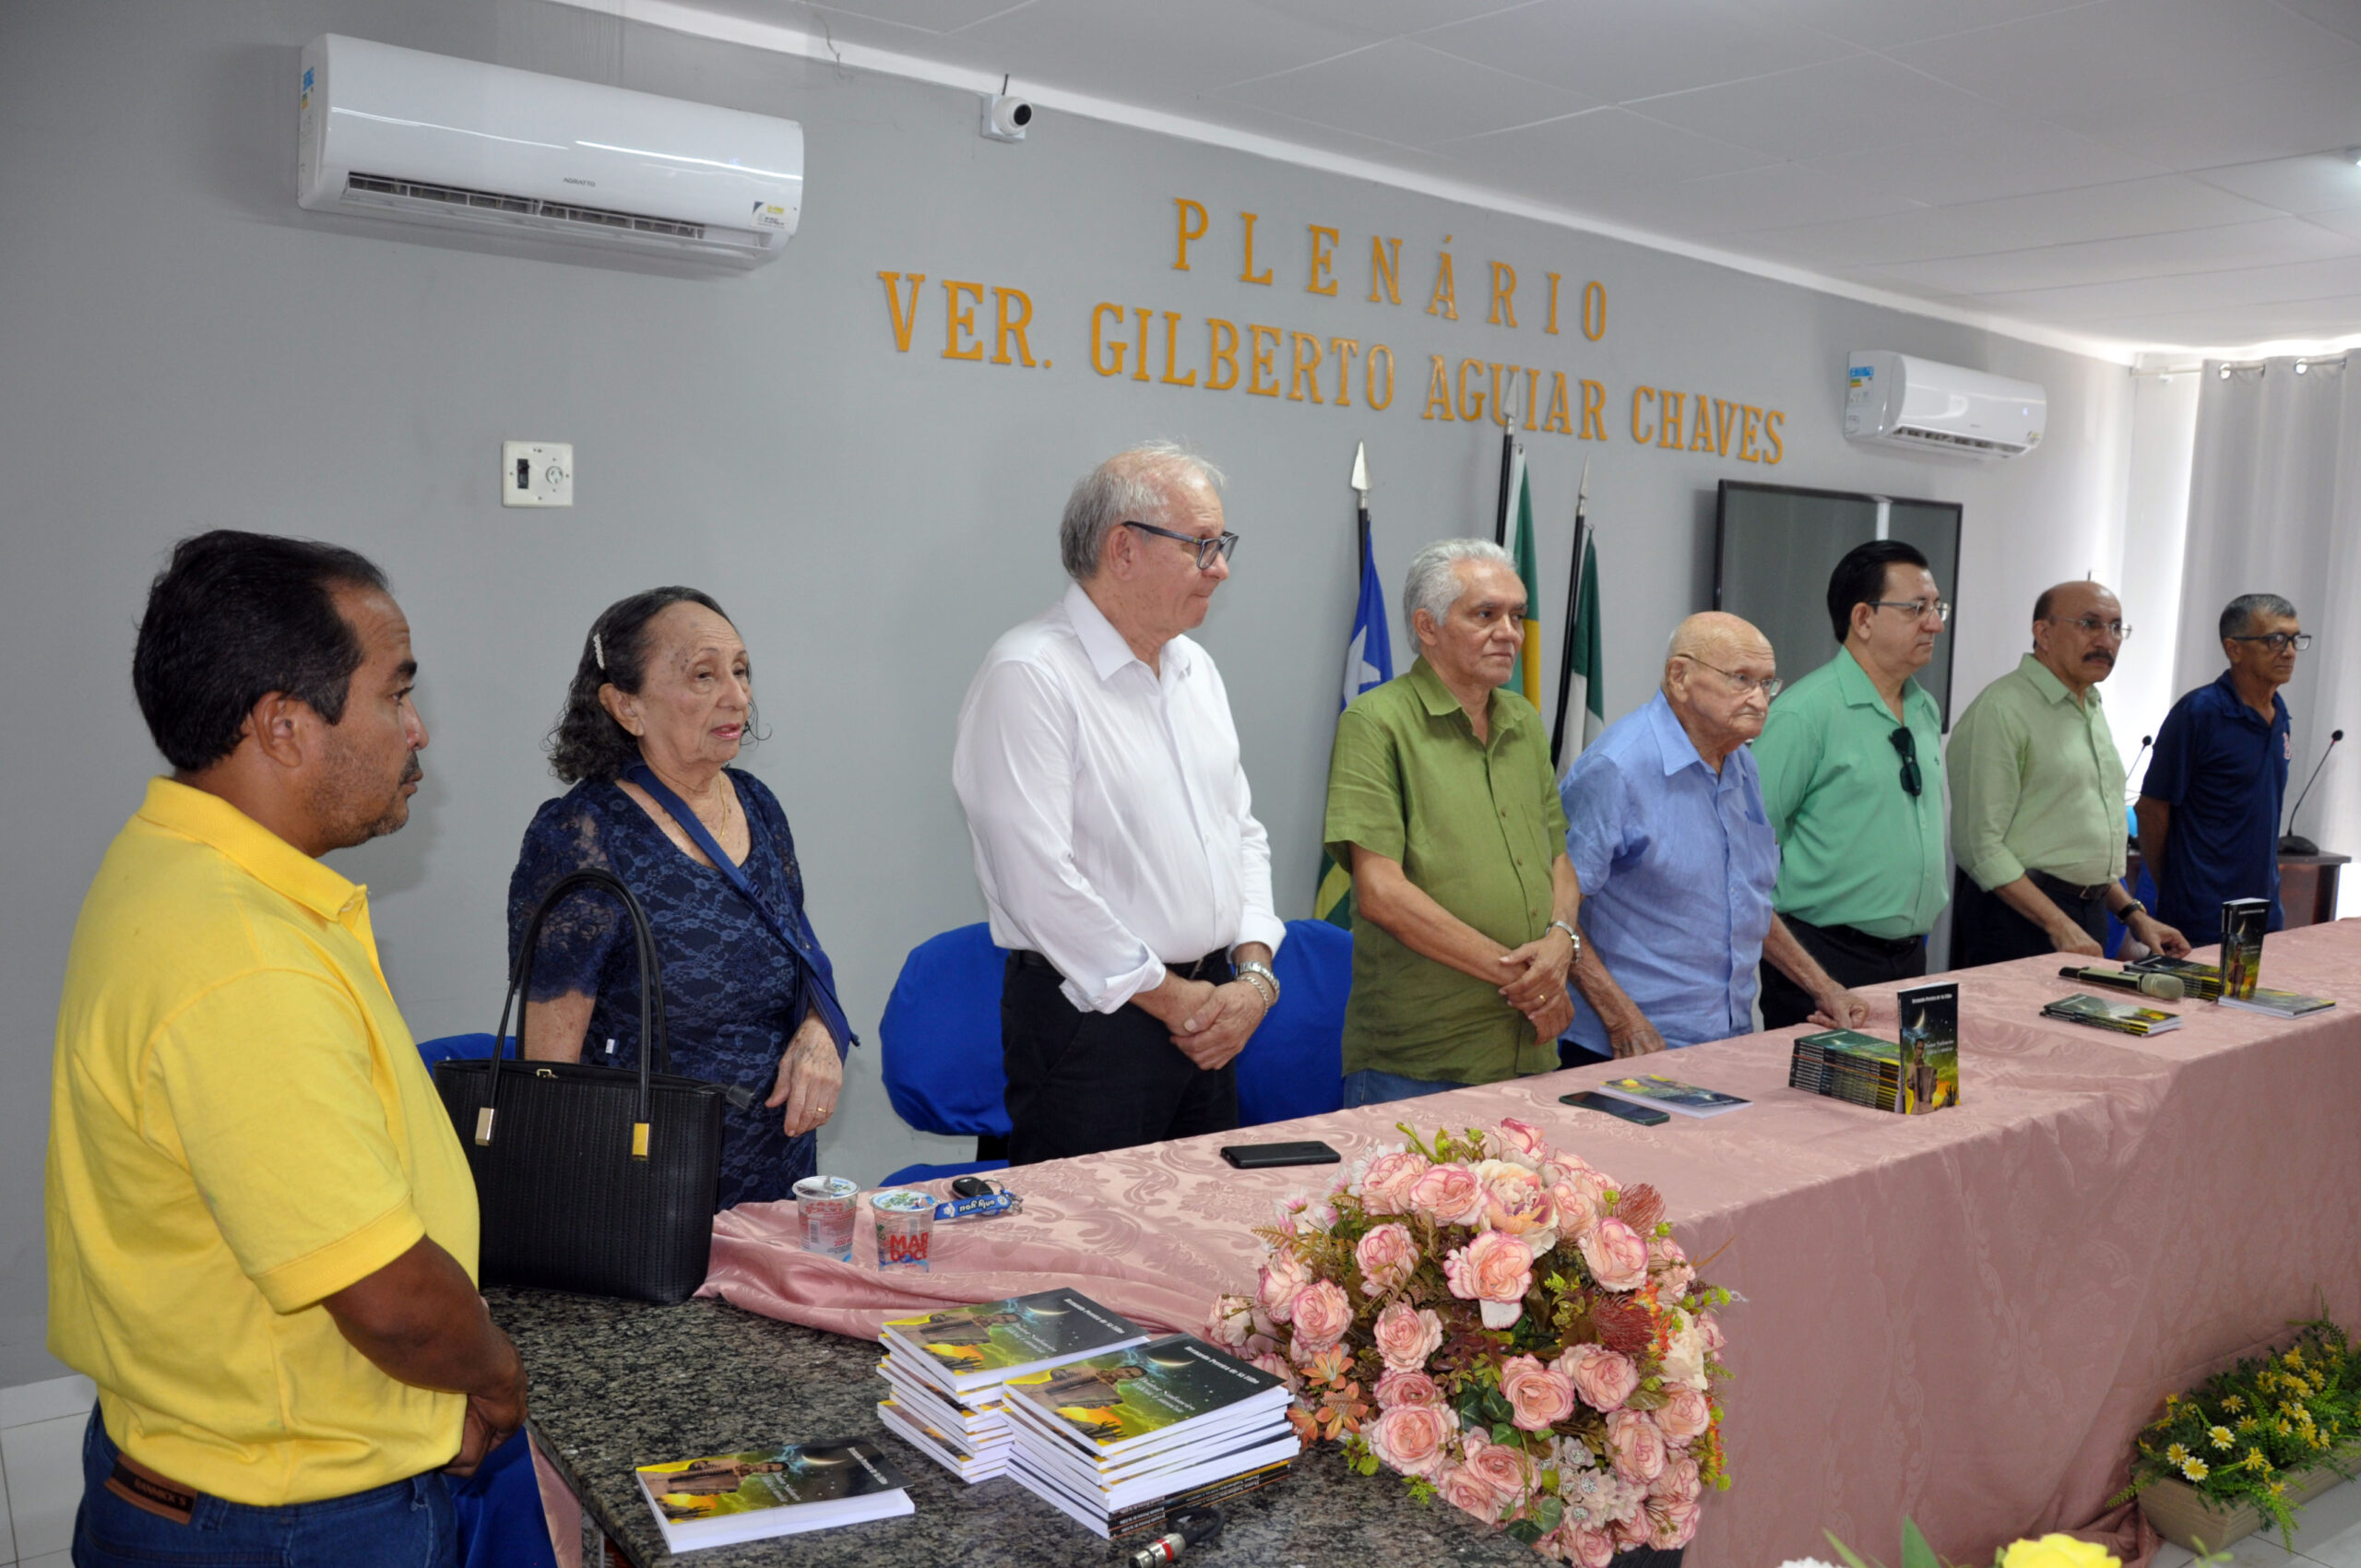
(1295, 1065)
(455, 1048)
(938, 1041)
(2144, 889)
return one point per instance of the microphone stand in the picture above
(2291, 842)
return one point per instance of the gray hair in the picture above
(1433, 582)
(2238, 616)
(1134, 485)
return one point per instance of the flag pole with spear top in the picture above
(1574, 613)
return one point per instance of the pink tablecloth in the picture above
(1963, 1317)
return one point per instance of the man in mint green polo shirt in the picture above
(1441, 802)
(1852, 780)
(2037, 818)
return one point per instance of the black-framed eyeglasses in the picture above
(1768, 685)
(1907, 744)
(1221, 544)
(2278, 642)
(1918, 607)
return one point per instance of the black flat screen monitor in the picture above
(1777, 544)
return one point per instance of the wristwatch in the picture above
(1571, 935)
(2130, 909)
(1252, 972)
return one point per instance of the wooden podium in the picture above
(2308, 885)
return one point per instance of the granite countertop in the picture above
(618, 1385)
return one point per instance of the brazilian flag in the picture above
(1369, 661)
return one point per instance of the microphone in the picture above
(2163, 988)
(2292, 842)
(2132, 791)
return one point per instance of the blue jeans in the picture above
(404, 1525)
(1370, 1087)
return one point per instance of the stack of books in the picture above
(2123, 1017)
(725, 1499)
(1912, 1075)
(1121, 1444)
(2204, 980)
(946, 1369)
(1671, 1094)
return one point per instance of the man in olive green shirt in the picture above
(1851, 762)
(2038, 813)
(1441, 802)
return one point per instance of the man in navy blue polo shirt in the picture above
(2208, 807)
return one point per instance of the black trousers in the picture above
(1984, 930)
(1851, 957)
(1083, 1083)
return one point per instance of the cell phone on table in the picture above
(1639, 1115)
(1266, 1156)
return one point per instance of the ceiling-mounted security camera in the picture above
(1004, 116)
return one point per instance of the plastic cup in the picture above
(827, 1204)
(905, 1229)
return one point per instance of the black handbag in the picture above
(595, 1180)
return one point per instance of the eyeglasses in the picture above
(2278, 642)
(1744, 686)
(2092, 626)
(1907, 744)
(1221, 544)
(1918, 607)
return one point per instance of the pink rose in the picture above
(1467, 1491)
(1542, 1398)
(1578, 1197)
(1679, 1482)
(1515, 1201)
(1448, 1194)
(1385, 1187)
(1232, 1323)
(1410, 1437)
(1635, 1444)
(1522, 1142)
(1277, 1366)
(1709, 1330)
(1280, 1281)
(1672, 1527)
(1407, 1336)
(1617, 1255)
(1603, 1378)
(1684, 1415)
(1323, 1313)
(1503, 1467)
(1495, 1266)
(1670, 1265)
(1394, 1387)
(1388, 1255)
(1590, 1549)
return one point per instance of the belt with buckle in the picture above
(1193, 968)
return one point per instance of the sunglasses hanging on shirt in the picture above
(1908, 745)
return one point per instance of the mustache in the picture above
(413, 773)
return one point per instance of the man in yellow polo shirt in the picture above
(262, 1232)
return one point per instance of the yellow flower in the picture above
(2058, 1551)
(2233, 1404)
(2176, 1454)
(2194, 1469)
(2220, 1436)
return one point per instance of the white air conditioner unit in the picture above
(394, 133)
(1901, 401)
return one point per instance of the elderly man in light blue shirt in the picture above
(1677, 859)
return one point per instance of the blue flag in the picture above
(1368, 662)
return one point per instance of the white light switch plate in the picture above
(537, 474)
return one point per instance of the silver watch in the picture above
(1571, 935)
(1261, 971)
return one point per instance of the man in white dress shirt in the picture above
(1114, 837)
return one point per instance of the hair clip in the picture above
(598, 652)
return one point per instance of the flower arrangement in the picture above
(2245, 1432)
(2052, 1551)
(1506, 1328)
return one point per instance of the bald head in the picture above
(1715, 677)
(1715, 637)
(2077, 631)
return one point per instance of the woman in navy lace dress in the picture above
(660, 704)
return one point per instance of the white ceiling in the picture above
(2150, 173)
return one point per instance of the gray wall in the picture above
(183, 348)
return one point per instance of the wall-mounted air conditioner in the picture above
(1897, 400)
(394, 133)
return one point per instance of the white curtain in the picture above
(2275, 506)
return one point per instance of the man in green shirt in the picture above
(1852, 780)
(2038, 815)
(1441, 802)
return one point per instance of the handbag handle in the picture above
(653, 1056)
